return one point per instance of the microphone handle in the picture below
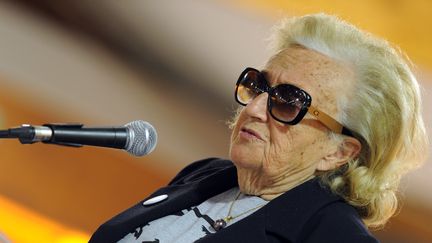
(5, 134)
(76, 135)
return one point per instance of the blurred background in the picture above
(171, 63)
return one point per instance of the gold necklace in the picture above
(222, 223)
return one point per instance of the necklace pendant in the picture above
(219, 224)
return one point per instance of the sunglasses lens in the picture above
(249, 86)
(286, 102)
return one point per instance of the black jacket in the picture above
(306, 213)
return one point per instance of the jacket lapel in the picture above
(288, 215)
(180, 197)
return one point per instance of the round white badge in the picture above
(154, 200)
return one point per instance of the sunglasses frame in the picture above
(306, 107)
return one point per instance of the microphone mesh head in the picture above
(142, 138)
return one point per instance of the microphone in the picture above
(137, 137)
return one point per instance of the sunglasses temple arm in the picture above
(327, 120)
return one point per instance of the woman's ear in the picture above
(348, 149)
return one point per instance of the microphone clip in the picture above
(59, 127)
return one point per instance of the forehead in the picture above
(319, 75)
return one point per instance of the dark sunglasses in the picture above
(286, 103)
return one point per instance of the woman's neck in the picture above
(268, 187)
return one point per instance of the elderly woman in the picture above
(326, 130)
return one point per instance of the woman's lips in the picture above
(250, 134)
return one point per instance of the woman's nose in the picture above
(257, 108)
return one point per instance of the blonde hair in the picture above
(384, 111)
